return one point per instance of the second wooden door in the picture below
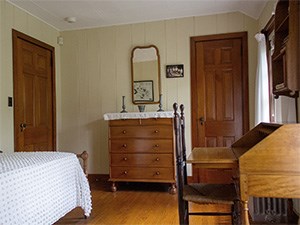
(219, 95)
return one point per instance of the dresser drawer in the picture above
(151, 160)
(129, 173)
(142, 150)
(142, 145)
(127, 122)
(138, 122)
(141, 132)
(158, 121)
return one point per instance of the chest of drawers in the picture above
(142, 150)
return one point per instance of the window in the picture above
(268, 31)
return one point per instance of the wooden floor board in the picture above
(135, 204)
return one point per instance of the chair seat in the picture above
(210, 193)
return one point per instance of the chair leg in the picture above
(183, 208)
(235, 213)
(232, 215)
(186, 216)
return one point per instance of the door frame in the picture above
(18, 35)
(194, 101)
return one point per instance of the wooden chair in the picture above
(200, 193)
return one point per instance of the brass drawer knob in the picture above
(157, 173)
(124, 131)
(156, 146)
(157, 159)
(124, 146)
(125, 158)
(125, 172)
(156, 131)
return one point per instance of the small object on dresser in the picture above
(123, 105)
(160, 104)
(141, 108)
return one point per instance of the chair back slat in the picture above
(182, 136)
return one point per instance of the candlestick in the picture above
(160, 104)
(123, 105)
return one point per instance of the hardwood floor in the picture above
(135, 204)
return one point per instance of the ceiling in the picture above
(100, 13)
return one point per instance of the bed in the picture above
(41, 187)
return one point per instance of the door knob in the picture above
(202, 120)
(23, 126)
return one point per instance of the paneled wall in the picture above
(12, 17)
(95, 74)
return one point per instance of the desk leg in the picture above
(245, 213)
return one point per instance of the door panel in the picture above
(34, 109)
(222, 86)
(218, 95)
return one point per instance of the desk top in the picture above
(212, 155)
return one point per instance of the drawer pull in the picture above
(125, 158)
(157, 173)
(157, 159)
(156, 131)
(124, 146)
(124, 131)
(125, 172)
(156, 146)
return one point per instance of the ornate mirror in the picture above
(145, 73)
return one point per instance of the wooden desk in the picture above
(266, 159)
(217, 157)
(271, 168)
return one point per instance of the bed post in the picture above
(84, 156)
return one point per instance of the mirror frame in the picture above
(158, 74)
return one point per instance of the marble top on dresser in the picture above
(138, 115)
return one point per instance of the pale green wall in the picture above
(266, 14)
(96, 74)
(12, 17)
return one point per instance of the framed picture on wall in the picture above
(174, 71)
(143, 91)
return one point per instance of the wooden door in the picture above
(219, 95)
(34, 95)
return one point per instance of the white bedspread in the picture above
(39, 188)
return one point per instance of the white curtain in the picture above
(262, 108)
